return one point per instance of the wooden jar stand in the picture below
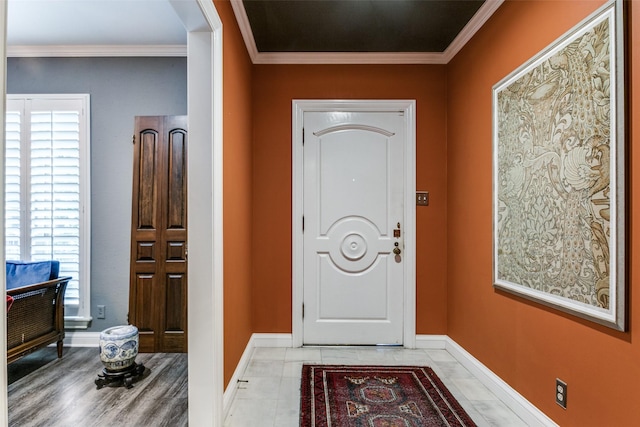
(124, 377)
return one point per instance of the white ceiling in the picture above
(113, 23)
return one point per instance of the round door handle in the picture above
(396, 250)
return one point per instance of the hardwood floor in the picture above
(46, 391)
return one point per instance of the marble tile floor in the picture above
(268, 394)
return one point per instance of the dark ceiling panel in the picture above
(357, 25)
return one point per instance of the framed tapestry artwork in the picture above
(558, 173)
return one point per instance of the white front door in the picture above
(353, 222)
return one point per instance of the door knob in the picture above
(396, 250)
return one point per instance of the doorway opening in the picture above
(205, 357)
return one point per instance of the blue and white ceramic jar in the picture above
(119, 347)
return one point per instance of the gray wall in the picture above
(120, 89)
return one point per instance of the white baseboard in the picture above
(81, 339)
(514, 400)
(232, 387)
(272, 340)
(431, 342)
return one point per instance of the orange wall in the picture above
(237, 190)
(526, 344)
(274, 87)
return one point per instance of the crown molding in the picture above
(245, 28)
(478, 20)
(349, 58)
(96, 50)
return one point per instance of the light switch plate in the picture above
(422, 198)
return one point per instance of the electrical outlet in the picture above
(100, 314)
(561, 393)
(422, 198)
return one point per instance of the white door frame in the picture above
(4, 397)
(205, 317)
(204, 216)
(299, 107)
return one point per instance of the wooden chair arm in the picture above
(50, 283)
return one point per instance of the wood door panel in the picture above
(176, 251)
(175, 327)
(158, 289)
(144, 300)
(146, 251)
(176, 183)
(176, 293)
(147, 206)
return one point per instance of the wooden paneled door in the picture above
(158, 281)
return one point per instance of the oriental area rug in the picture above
(377, 396)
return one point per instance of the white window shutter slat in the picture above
(47, 201)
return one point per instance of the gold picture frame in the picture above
(559, 173)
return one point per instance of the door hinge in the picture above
(303, 311)
(133, 139)
(303, 223)
(302, 136)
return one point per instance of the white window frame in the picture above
(82, 317)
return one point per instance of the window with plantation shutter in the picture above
(47, 190)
